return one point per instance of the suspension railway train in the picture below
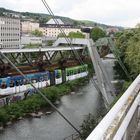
(18, 84)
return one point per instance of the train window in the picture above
(57, 75)
(39, 79)
(70, 72)
(24, 81)
(3, 85)
(82, 69)
(78, 70)
(21, 82)
(67, 74)
(33, 80)
(17, 83)
(27, 82)
(45, 78)
(11, 83)
(74, 71)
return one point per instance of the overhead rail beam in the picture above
(66, 48)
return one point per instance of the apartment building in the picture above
(29, 26)
(50, 29)
(9, 32)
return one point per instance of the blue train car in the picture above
(19, 84)
(20, 80)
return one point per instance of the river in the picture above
(52, 127)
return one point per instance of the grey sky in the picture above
(113, 12)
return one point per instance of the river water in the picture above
(52, 127)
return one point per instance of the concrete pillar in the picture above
(52, 78)
(63, 75)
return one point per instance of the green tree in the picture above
(128, 43)
(73, 35)
(88, 125)
(61, 35)
(97, 33)
(76, 35)
(3, 117)
(50, 42)
(132, 53)
(37, 33)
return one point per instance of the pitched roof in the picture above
(51, 21)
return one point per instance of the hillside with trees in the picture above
(43, 18)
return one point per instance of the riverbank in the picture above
(35, 103)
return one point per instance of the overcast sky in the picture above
(114, 12)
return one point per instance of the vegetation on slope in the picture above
(43, 18)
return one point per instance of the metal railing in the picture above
(119, 121)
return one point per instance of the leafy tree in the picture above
(88, 125)
(50, 42)
(121, 41)
(132, 54)
(3, 117)
(37, 33)
(97, 33)
(76, 35)
(128, 43)
(60, 35)
(73, 35)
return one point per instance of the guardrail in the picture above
(122, 118)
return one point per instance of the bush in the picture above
(14, 110)
(88, 125)
(3, 117)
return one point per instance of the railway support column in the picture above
(52, 78)
(63, 75)
(104, 83)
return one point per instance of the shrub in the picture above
(3, 117)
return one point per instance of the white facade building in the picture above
(31, 40)
(50, 29)
(29, 26)
(9, 33)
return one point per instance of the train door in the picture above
(58, 76)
